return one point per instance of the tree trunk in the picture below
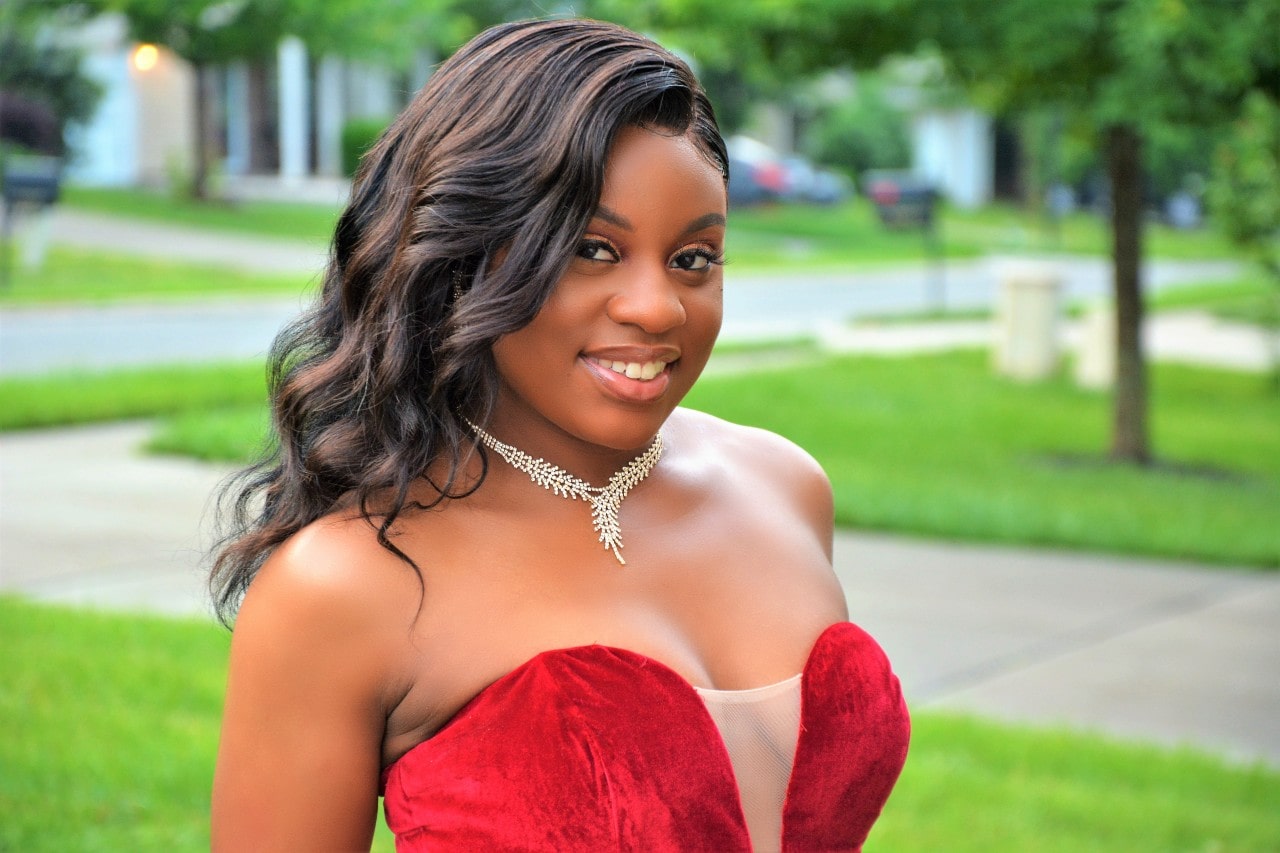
(200, 168)
(1129, 442)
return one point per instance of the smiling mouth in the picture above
(641, 370)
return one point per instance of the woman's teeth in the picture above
(643, 371)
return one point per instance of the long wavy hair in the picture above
(502, 152)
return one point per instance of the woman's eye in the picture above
(596, 250)
(696, 260)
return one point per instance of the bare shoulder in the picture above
(758, 449)
(319, 655)
(761, 459)
(330, 599)
(334, 567)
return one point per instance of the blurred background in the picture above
(1010, 271)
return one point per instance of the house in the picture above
(280, 119)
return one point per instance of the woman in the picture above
(530, 269)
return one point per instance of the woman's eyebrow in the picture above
(615, 218)
(705, 221)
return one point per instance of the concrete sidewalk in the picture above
(1143, 649)
(757, 307)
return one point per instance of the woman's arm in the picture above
(312, 663)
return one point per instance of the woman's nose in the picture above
(650, 300)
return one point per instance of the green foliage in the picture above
(1245, 190)
(43, 71)
(215, 436)
(358, 136)
(208, 31)
(864, 132)
(794, 237)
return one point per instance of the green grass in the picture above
(971, 785)
(1248, 299)
(930, 445)
(937, 445)
(263, 218)
(760, 238)
(112, 725)
(111, 728)
(87, 397)
(789, 236)
(1002, 227)
(214, 436)
(79, 276)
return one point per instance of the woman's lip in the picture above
(637, 354)
(627, 389)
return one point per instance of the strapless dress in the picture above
(595, 748)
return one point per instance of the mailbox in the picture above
(33, 181)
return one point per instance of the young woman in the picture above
(493, 572)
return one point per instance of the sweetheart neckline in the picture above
(646, 659)
(596, 648)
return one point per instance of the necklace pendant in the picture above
(605, 501)
(604, 518)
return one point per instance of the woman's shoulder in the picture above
(748, 448)
(330, 577)
(757, 461)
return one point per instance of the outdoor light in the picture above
(145, 57)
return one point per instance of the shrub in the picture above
(358, 136)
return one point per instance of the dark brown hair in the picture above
(503, 151)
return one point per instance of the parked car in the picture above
(902, 199)
(759, 174)
(756, 173)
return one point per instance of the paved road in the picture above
(35, 339)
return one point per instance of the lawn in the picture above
(930, 445)
(87, 397)
(938, 445)
(263, 218)
(760, 238)
(113, 721)
(81, 276)
(1248, 299)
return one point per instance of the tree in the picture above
(1244, 195)
(861, 133)
(1123, 67)
(42, 87)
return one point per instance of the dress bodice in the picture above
(595, 748)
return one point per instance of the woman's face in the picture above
(629, 327)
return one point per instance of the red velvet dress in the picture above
(597, 749)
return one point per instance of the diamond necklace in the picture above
(605, 500)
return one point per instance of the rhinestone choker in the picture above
(605, 500)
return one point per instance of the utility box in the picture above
(1028, 321)
(1096, 351)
